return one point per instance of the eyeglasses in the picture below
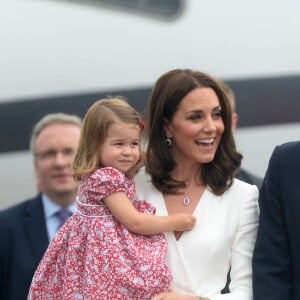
(51, 154)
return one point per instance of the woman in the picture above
(191, 160)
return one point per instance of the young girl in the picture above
(112, 247)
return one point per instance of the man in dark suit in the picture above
(26, 228)
(242, 174)
(249, 177)
(276, 262)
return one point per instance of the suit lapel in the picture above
(35, 227)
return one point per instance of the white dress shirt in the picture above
(50, 211)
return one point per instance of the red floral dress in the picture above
(93, 256)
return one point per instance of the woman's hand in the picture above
(174, 296)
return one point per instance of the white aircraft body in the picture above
(58, 55)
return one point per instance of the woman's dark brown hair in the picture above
(167, 93)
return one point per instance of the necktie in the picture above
(63, 214)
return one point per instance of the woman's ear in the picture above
(167, 128)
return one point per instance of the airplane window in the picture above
(158, 8)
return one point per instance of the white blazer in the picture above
(223, 237)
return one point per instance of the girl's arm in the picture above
(140, 223)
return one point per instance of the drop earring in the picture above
(168, 142)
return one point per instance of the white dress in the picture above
(223, 237)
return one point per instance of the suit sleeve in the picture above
(4, 256)
(1, 260)
(271, 261)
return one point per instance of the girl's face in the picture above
(121, 148)
(196, 127)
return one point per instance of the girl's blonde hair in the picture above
(96, 122)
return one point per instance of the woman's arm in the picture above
(242, 249)
(174, 296)
(140, 223)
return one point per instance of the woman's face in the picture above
(196, 127)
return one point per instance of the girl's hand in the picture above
(183, 222)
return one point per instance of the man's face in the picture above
(54, 153)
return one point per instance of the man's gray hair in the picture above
(49, 119)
